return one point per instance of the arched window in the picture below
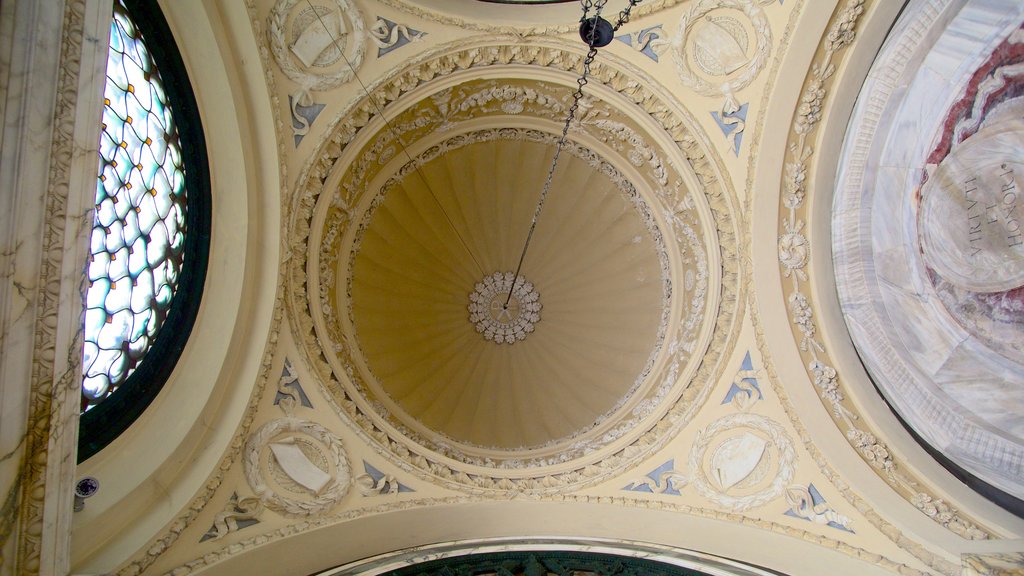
(150, 235)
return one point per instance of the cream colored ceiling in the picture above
(688, 383)
(593, 262)
(619, 260)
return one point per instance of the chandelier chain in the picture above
(582, 81)
(624, 15)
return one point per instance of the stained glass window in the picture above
(143, 253)
(138, 234)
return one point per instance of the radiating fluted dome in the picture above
(410, 255)
(596, 264)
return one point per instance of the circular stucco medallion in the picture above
(317, 45)
(742, 461)
(720, 47)
(296, 467)
(504, 308)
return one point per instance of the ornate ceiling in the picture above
(620, 273)
(672, 378)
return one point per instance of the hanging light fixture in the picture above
(597, 33)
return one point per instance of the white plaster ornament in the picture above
(713, 49)
(500, 317)
(318, 47)
(296, 467)
(742, 461)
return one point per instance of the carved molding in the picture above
(794, 249)
(236, 514)
(805, 437)
(160, 543)
(658, 107)
(294, 529)
(683, 341)
(643, 9)
(46, 485)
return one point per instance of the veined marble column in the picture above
(52, 62)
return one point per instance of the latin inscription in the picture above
(996, 217)
(972, 214)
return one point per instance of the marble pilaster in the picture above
(53, 52)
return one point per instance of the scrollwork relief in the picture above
(370, 486)
(649, 41)
(238, 513)
(388, 35)
(805, 502)
(290, 393)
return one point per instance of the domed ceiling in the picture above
(582, 327)
(417, 252)
(933, 297)
(671, 369)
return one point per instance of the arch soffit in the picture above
(156, 461)
(778, 262)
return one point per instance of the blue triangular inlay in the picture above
(377, 475)
(728, 127)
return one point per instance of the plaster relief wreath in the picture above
(296, 467)
(742, 461)
(713, 51)
(320, 45)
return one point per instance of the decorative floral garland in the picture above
(794, 255)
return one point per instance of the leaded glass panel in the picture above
(137, 245)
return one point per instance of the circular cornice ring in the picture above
(468, 23)
(689, 150)
(678, 336)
